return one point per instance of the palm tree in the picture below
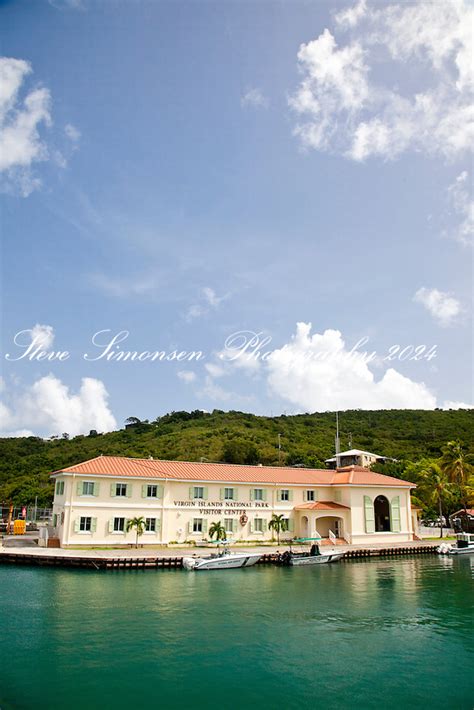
(454, 465)
(435, 488)
(218, 530)
(279, 524)
(139, 524)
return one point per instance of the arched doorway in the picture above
(304, 526)
(328, 523)
(382, 514)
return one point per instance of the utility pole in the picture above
(338, 449)
(279, 449)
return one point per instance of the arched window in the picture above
(382, 514)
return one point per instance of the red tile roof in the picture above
(322, 505)
(235, 473)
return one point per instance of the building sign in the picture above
(219, 507)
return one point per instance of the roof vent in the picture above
(150, 458)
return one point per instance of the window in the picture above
(119, 524)
(87, 488)
(228, 494)
(59, 488)
(229, 524)
(258, 525)
(198, 494)
(85, 525)
(284, 494)
(197, 525)
(120, 490)
(258, 494)
(152, 492)
(150, 523)
(309, 495)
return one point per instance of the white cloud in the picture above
(20, 142)
(72, 132)
(187, 376)
(254, 97)
(343, 110)
(444, 308)
(457, 405)
(43, 335)
(317, 373)
(351, 15)
(460, 195)
(48, 407)
(209, 301)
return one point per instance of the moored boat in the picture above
(464, 545)
(223, 559)
(313, 556)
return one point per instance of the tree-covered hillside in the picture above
(307, 439)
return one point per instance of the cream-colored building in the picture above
(179, 500)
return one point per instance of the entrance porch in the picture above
(331, 521)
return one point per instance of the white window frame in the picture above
(152, 487)
(258, 523)
(85, 520)
(229, 525)
(310, 496)
(59, 488)
(119, 517)
(89, 484)
(123, 487)
(258, 494)
(153, 522)
(285, 495)
(196, 496)
(226, 493)
(198, 523)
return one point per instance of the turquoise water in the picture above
(365, 634)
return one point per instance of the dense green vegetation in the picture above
(307, 439)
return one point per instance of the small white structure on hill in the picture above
(356, 457)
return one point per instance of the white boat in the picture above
(313, 556)
(464, 545)
(223, 559)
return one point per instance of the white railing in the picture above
(348, 538)
(332, 537)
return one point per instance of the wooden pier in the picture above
(117, 563)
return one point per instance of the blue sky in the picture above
(189, 170)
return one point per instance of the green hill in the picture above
(307, 439)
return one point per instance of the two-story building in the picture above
(179, 500)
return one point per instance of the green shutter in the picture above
(77, 525)
(190, 526)
(191, 492)
(251, 526)
(264, 494)
(96, 489)
(236, 493)
(159, 491)
(235, 525)
(129, 490)
(252, 493)
(395, 514)
(305, 496)
(264, 525)
(369, 515)
(158, 524)
(279, 495)
(112, 490)
(93, 524)
(290, 495)
(204, 526)
(79, 488)
(221, 494)
(55, 520)
(205, 493)
(291, 525)
(111, 525)
(144, 490)
(316, 496)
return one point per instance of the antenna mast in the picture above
(338, 448)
